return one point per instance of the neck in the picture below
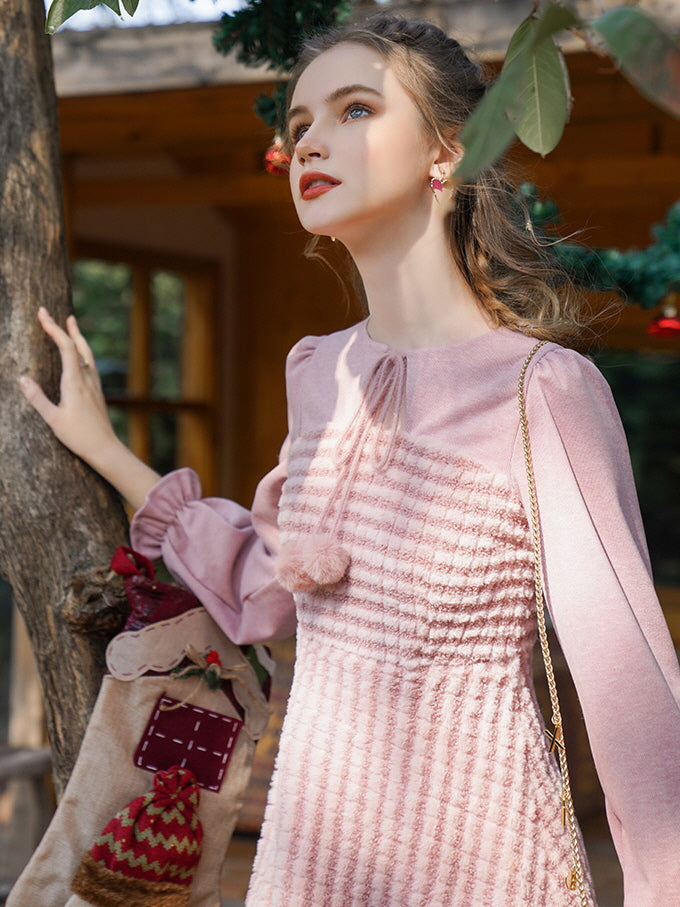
(417, 296)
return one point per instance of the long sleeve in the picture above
(607, 617)
(221, 551)
(224, 553)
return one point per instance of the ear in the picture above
(447, 159)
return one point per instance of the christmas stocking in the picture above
(179, 696)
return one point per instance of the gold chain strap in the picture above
(575, 881)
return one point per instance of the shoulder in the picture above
(494, 362)
(567, 394)
(562, 374)
(317, 376)
(321, 350)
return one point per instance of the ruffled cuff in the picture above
(159, 511)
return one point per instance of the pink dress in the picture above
(413, 769)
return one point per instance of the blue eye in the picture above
(297, 132)
(356, 111)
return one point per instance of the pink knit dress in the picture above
(413, 769)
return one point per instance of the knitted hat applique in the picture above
(148, 853)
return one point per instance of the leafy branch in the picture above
(531, 97)
(62, 10)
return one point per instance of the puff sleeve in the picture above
(223, 552)
(606, 615)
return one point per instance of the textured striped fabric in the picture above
(412, 768)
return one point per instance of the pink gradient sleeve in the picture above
(606, 614)
(221, 551)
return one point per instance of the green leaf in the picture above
(260, 671)
(646, 54)
(61, 10)
(130, 6)
(487, 132)
(543, 88)
(554, 18)
(530, 97)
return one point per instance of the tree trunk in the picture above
(59, 523)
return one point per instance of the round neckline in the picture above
(426, 350)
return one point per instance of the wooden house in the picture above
(163, 167)
(163, 163)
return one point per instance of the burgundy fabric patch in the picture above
(150, 600)
(193, 738)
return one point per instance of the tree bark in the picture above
(59, 522)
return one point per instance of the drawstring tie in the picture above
(320, 560)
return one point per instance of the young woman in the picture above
(395, 535)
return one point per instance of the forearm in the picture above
(129, 475)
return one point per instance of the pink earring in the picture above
(436, 185)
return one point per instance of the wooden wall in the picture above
(614, 174)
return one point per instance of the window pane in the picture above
(167, 300)
(102, 299)
(645, 387)
(140, 379)
(163, 441)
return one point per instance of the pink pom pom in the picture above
(290, 569)
(325, 560)
(310, 563)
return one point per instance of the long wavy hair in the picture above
(512, 272)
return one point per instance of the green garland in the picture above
(643, 276)
(272, 32)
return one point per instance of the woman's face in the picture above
(361, 156)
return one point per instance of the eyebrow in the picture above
(336, 95)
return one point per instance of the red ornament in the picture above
(667, 324)
(213, 658)
(276, 161)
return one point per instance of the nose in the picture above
(311, 145)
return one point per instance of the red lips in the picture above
(316, 183)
